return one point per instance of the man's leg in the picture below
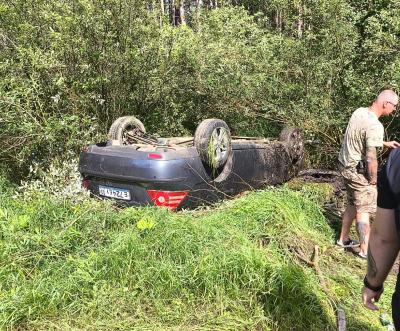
(365, 199)
(347, 220)
(363, 229)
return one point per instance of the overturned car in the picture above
(136, 168)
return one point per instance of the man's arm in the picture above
(391, 144)
(382, 252)
(372, 164)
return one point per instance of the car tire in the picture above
(212, 140)
(293, 138)
(122, 126)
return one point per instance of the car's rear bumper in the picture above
(137, 171)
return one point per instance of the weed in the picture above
(84, 265)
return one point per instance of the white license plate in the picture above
(113, 192)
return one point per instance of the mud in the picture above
(337, 202)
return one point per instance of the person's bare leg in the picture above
(347, 220)
(363, 229)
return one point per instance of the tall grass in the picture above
(89, 265)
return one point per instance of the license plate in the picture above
(113, 192)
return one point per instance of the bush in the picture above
(70, 69)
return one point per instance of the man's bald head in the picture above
(385, 103)
(387, 95)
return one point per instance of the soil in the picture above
(336, 205)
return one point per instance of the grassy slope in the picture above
(87, 265)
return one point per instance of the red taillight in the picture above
(86, 183)
(154, 156)
(169, 199)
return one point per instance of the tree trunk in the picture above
(162, 12)
(300, 23)
(278, 20)
(182, 12)
(199, 4)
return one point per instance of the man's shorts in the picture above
(360, 193)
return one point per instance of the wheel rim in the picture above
(219, 145)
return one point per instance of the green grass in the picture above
(89, 265)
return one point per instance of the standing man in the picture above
(384, 245)
(359, 165)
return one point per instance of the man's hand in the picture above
(369, 295)
(391, 144)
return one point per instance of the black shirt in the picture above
(389, 182)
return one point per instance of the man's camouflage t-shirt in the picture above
(364, 130)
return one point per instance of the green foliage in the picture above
(89, 265)
(69, 69)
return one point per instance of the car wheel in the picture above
(212, 140)
(293, 139)
(124, 129)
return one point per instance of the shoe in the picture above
(362, 255)
(348, 243)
